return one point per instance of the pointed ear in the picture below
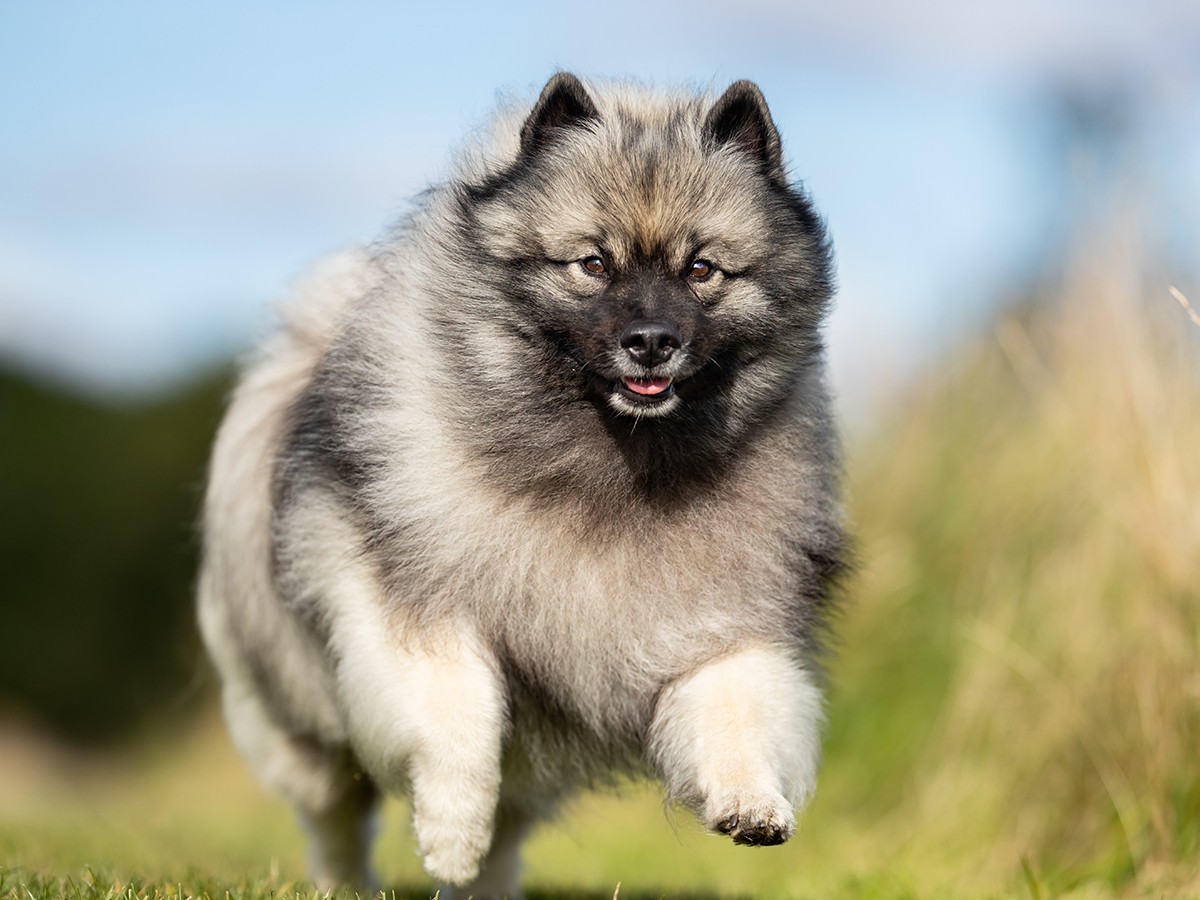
(741, 118)
(564, 103)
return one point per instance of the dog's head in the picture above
(650, 250)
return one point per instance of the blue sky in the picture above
(166, 170)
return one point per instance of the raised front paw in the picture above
(756, 819)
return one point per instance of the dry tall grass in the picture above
(1027, 628)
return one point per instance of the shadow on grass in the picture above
(627, 895)
(94, 884)
(565, 894)
(105, 884)
(553, 893)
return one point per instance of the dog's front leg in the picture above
(738, 740)
(428, 711)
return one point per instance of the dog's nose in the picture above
(651, 343)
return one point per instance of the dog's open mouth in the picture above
(646, 390)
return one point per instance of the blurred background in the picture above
(1014, 195)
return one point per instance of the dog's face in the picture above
(654, 254)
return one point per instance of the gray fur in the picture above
(432, 478)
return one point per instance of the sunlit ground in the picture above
(187, 808)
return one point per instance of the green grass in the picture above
(184, 816)
(1015, 704)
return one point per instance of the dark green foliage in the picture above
(97, 550)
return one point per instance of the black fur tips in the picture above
(564, 103)
(741, 117)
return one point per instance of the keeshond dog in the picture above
(539, 491)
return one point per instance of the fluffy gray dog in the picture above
(539, 490)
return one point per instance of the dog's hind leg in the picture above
(335, 800)
(340, 835)
(738, 739)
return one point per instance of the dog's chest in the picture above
(593, 633)
(593, 611)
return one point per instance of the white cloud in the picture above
(1016, 39)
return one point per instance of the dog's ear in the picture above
(740, 117)
(564, 103)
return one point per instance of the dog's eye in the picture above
(701, 270)
(595, 265)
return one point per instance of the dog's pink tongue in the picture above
(648, 386)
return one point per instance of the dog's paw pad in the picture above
(759, 821)
(763, 833)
